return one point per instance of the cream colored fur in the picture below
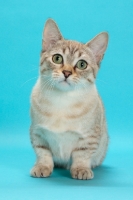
(68, 126)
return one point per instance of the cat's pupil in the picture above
(82, 64)
(57, 58)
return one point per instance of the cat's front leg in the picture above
(81, 164)
(44, 163)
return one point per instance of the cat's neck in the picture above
(66, 97)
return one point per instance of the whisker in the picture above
(44, 75)
(47, 85)
(101, 81)
(51, 86)
(28, 81)
(35, 68)
(81, 92)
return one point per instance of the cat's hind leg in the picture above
(100, 154)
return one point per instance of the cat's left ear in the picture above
(51, 35)
(98, 46)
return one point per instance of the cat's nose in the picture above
(66, 73)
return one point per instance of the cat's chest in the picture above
(64, 119)
(59, 114)
(61, 145)
(63, 116)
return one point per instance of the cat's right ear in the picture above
(51, 35)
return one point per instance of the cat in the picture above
(68, 126)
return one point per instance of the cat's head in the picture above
(66, 64)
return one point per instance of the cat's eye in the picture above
(81, 64)
(57, 58)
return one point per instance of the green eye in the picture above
(81, 64)
(57, 58)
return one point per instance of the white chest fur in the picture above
(61, 145)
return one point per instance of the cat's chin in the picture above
(64, 85)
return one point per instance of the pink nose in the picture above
(66, 73)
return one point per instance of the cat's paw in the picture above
(40, 171)
(82, 173)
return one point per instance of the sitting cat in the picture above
(68, 126)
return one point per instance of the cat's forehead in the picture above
(71, 47)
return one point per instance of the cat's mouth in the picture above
(64, 85)
(64, 82)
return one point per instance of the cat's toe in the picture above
(82, 173)
(40, 171)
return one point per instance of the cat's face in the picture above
(69, 65)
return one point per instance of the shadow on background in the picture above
(104, 176)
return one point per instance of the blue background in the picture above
(21, 25)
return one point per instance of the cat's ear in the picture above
(98, 46)
(51, 35)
